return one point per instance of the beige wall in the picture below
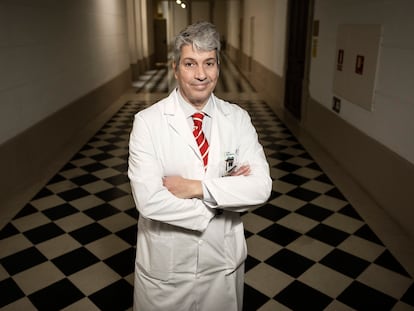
(52, 53)
(376, 147)
(390, 121)
(63, 63)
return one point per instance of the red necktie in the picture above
(199, 136)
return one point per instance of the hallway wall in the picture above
(375, 147)
(256, 41)
(63, 63)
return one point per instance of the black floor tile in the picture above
(84, 179)
(348, 210)
(10, 292)
(75, 261)
(253, 299)
(115, 297)
(8, 231)
(408, 296)
(362, 297)
(42, 193)
(327, 234)
(279, 234)
(387, 260)
(336, 194)
(60, 211)
(294, 179)
(56, 296)
(19, 261)
(366, 233)
(300, 297)
(26, 211)
(288, 167)
(73, 194)
(303, 194)
(250, 263)
(315, 212)
(118, 179)
(111, 194)
(133, 212)
(345, 263)
(290, 262)
(271, 212)
(325, 179)
(93, 167)
(101, 157)
(281, 156)
(43, 233)
(101, 211)
(123, 263)
(89, 233)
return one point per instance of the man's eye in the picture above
(188, 64)
(210, 64)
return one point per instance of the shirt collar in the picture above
(189, 110)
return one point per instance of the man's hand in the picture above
(242, 170)
(183, 188)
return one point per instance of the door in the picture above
(160, 41)
(298, 11)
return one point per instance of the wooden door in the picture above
(160, 40)
(298, 11)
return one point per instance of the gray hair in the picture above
(203, 36)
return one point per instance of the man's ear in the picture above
(174, 65)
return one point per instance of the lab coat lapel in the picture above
(221, 128)
(177, 121)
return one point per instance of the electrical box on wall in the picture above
(357, 50)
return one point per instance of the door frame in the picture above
(298, 66)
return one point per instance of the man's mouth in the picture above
(200, 85)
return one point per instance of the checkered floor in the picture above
(72, 246)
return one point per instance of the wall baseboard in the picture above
(384, 175)
(30, 159)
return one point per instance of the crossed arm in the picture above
(184, 188)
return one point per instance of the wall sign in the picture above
(357, 50)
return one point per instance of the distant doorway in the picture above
(160, 41)
(298, 11)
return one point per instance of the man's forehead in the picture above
(188, 51)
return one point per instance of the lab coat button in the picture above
(200, 242)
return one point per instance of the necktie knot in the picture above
(198, 120)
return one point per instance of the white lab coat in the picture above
(187, 257)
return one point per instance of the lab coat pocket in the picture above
(155, 256)
(235, 248)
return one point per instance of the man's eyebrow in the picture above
(194, 60)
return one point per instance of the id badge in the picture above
(230, 162)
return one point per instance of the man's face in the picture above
(197, 75)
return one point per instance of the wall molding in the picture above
(31, 158)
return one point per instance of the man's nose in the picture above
(200, 73)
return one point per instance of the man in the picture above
(191, 246)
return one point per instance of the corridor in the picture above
(72, 246)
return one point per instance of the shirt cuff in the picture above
(208, 198)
